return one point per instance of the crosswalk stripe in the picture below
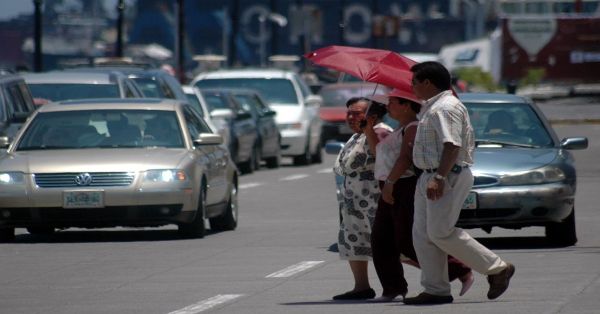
(207, 304)
(294, 269)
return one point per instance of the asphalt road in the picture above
(281, 259)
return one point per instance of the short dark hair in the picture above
(377, 109)
(433, 71)
(354, 100)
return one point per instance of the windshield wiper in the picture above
(495, 142)
(43, 147)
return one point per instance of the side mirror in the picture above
(574, 143)
(243, 115)
(221, 114)
(19, 117)
(208, 139)
(269, 113)
(4, 142)
(313, 100)
(333, 148)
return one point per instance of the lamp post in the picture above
(119, 45)
(37, 36)
(179, 42)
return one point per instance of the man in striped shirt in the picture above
(443, 149)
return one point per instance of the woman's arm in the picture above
(372, 137)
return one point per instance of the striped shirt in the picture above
(443, 119)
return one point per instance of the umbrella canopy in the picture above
(372, 65)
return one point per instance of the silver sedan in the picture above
(104, 163)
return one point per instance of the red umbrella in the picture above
(372, 65)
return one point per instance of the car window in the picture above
(26, 94)
(17, 100)
(304, 89)
(102, 129)
(216, 101)
(128, 92)
(149, 87)
(194, 102)
(274, 90)
(57, 92)
(195, 124)
(166, 90)
(513, 123)
(247, 103)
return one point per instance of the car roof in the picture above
(127, 70)
(68, 77)
(113, 103)
(231, 90)
(491, 98)
(246, 73)
(10, 77)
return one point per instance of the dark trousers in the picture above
(392, 235)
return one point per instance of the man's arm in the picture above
(435, 187)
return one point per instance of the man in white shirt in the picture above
(443, 149)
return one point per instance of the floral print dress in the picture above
(360, 194)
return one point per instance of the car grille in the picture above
(60, 180)
(481, 181)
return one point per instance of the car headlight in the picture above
(537, 176)
(11, 178)
(291, 126)
(165, 175)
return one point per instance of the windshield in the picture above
(274, 91)
(56, 92)
(102, 129)
(507, 124)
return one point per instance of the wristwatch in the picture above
(388, 181)
(438, 176)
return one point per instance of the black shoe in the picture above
(499, 282)
(426, 298)
(356, 295)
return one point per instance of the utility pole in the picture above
(235, 25)
(119, 45)
(179, 42)
(37, 37)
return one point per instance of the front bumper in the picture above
(293, 142)
(519, 206)
(120, 206)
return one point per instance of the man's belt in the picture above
(455, 169)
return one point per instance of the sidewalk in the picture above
(571, 110)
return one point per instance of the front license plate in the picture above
(83, 199)
(471, 201)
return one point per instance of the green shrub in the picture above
(477, 78)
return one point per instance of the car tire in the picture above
(229, 219)
(7, 235)
(274, 162)
(195, 228)
(41, 230)
(562, 233)
(317, 158)
(257, 157)
(247, 167)
(306, 157)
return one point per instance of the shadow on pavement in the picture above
(84, 236)
(504, 243)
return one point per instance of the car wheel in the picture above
(274, 162)
(7, 235)
(229, 219)
(247, 166)
(257, 157)
(564, 232)
(306, 158)
(195, 229)
(317, 158)
(41, 230)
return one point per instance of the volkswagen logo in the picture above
(83, 179)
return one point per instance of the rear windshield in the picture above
(274, 90)
(149, 87)
(56, 92)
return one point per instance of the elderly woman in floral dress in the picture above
(360, 195)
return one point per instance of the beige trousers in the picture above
(435, 235)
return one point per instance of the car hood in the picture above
(93, 160)
(333, 114)
(288, 113)
(494, 160)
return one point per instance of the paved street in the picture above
(280, 259)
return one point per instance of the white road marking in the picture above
(249, 185)
(207, 304)
(294, 269)
(326, 170)
(294, 177)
